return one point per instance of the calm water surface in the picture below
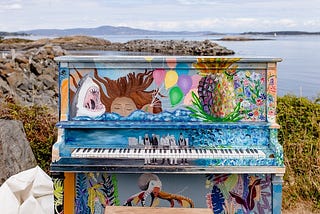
(298, 73)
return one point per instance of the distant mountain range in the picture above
(111, 30)
(107, 30)
(282, 33)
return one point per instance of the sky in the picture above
(225, 16)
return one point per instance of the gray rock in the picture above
(15, 152)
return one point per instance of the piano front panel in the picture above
(223, 193)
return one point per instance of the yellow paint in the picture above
(69, 193)
(148, 59)
(64, 99)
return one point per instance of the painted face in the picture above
(123, 106)
(156, 191)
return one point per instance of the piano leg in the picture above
(58, 185)
(277, 181)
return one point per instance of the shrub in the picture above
(39, 125)
(299, 119)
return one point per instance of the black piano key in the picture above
(222, 151)
(95, 150)
(89, 150)
(78, 149)
(230, 151)
(241, 151)
(226, 150)
(255, 150)
(84, 150)
(237, 151)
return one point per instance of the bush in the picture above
(299, 119)
(39, 125)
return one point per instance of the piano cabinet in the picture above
(167, 131)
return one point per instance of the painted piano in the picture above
(167, 131)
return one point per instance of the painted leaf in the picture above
(101, 197)
(217, 200)
(81, 194)
(239, 199)
(252, 194)
(91, 198)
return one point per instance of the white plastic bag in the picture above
(30, 191)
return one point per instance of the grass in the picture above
(299, 119)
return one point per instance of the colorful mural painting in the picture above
(223, 193)
(211, 90)
(160, 131)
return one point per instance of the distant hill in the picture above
(107, 30)
(282, 33)
(3, 34)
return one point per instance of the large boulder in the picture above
(15, 152)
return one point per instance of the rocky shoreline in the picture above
(28, 72)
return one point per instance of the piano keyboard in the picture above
(158, 153)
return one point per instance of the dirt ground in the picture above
(300, 209)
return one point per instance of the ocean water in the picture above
(298, 73)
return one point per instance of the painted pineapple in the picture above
(216, 87)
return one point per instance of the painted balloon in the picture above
(171, 62)
(182, 68)
(185, 83)
(176, 95)
(195, 80)
(170, 79)
(158, 76)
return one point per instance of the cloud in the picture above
(11, 6)
(215, 24)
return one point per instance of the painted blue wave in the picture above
(178, 115)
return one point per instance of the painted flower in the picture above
(248, 74)
(236, 84)
(247, 92)
(272, 88)
(246, 82)
(263, 96)
(255, 76)
(245, 104)
(259, 102)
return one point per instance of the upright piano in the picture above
(167, 131)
